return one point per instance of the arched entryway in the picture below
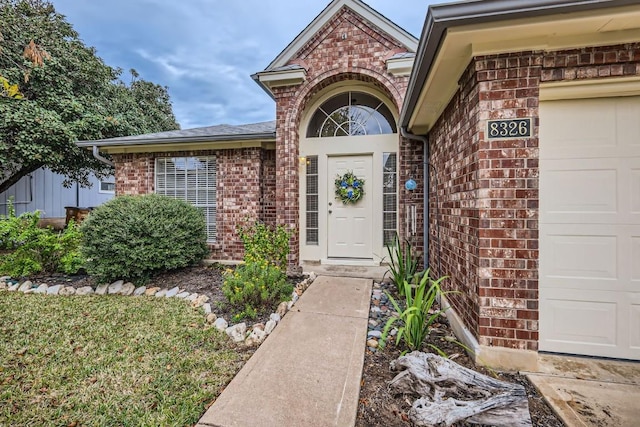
(348, 176)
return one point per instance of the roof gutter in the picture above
(169, 140)
(444, 16)
(96, 154)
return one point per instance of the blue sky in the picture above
(206, 50)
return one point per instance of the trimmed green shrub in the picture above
(134, 237)
(32, 249)
(254, 287)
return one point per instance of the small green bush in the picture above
(134, 237)
(264, 243)
(255, 286)
(32, 249)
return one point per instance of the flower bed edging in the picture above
(239, 333)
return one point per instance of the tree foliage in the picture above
(55, 90)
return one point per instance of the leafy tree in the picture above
(54, 91)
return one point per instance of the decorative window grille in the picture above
(108, 187)
(312, 200)
(351, 114)
(389, 197)
(192, 179)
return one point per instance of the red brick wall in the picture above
(348, 48)
(268, 188)
(241, 189)
(488, 189)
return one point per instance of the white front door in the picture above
(350, 226)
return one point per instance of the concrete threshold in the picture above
(308, 370)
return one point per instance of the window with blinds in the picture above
(389, 197)
(312, 200)
(192, 179)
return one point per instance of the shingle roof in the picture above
(260, 130)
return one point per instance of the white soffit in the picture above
(400, 66)
(549, 33)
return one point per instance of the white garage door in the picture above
(590, 227)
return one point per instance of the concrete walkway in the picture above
(307, 372)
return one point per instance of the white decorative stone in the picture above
(127, 289)
(14, 287)
(207, 308)
(67, 291)
(53, 290)
(191, 297)
(85, 290)
(115, 287)
(25, 286)
(289, 305)
(102, 289)
(172, 292)
(5, 278)
(199, 302)
(162, 293)
(270, 326)
(183, 295)
(282, 309)
(256, 337)
(139, 291)
(220, 324)
(42, 289)
(30, 291)
(374, 334)
(3, 285)
(275, 317)
(312, 277)
(294, 297)
(237, 332)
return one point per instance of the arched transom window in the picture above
(351, 114)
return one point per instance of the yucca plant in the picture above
(418, 316)
(403, 264)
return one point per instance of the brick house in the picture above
(528, 115)
(531, 110)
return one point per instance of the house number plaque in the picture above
(509, 128)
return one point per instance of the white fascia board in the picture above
(400, 66)
(282, 78)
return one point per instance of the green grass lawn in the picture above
(108, 361)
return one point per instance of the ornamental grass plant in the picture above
(403, 264)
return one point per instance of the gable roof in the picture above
(455, 32)
(280, 63)
(218, 133)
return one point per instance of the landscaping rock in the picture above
(256, 337)
(294, 297)
(374, 334)
(25, 286)
(161, 293)
(207, 308)
(102, 289)
(42, 289)
(139, 291)
(191, 297)
(275, 317)
(172, 292)
(211, 318)
(115, 287)
(372, 343)
(237, 332)
(289, 305)
(183, 295)
(127, 289)
(220, 324)
(53, 290)
(67, 291)
(151, 291)
(14, 287)
(5, 278)
(282, 309)
(3, 285)
(30, 291)
(199, 301)
(85, 290)
(270, 326)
